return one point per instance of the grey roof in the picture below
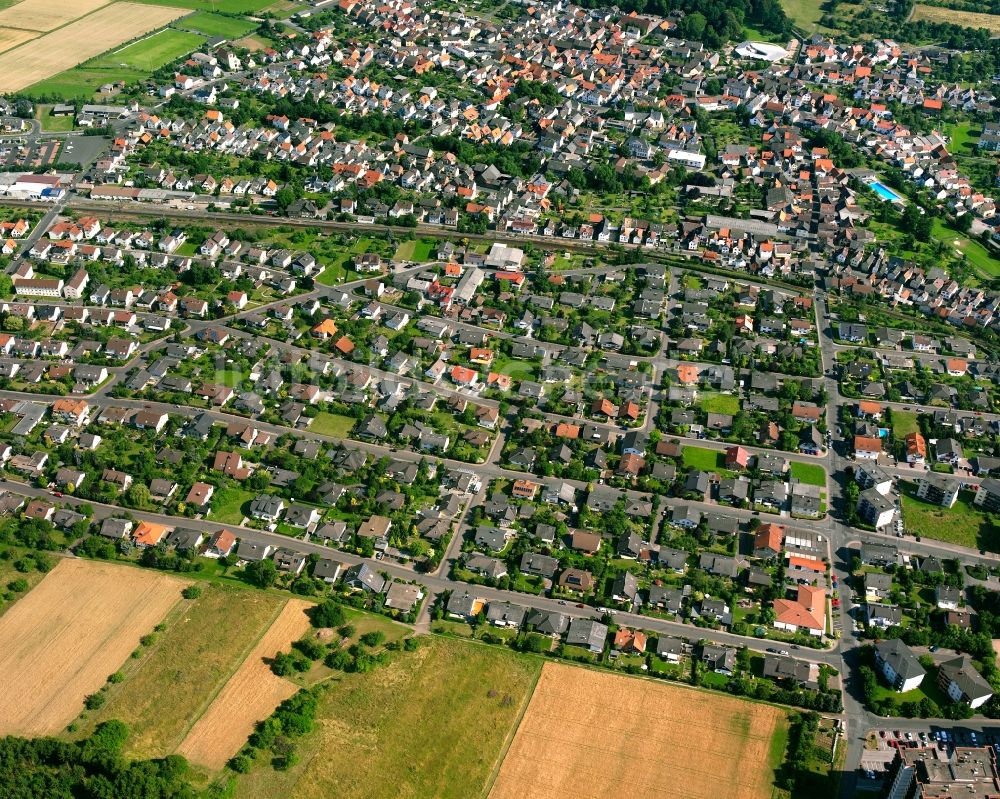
(899, 657)
(587, 633)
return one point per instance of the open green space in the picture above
(43, 113)
(517, 369)
(962, 524)
(415, 250)
(704, 459)
(904, 423)
(150, 53)
(82, 84)
(332, 424)
(18, 575)
(211, 24)
(810, 473)
(976, 253)
(203, 644)
(222, 6)
(229, 505)
(719, 403)
(433, 723)
(803, 13)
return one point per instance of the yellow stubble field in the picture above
(249, 696)
(60, 642)
(589, 734)
(78, 41)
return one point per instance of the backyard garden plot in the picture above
(60, 643)
(78, 41)
(594, 734)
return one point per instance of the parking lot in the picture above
(883, 742)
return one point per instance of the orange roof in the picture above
(770, 536)
(462, 374)
(687, 373)
(345, 345)
(867, 406)
(867, 444)
(799, 562)
(325, 328)
(567, 430)
(149, 533)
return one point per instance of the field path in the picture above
(76, 627)
(249, 696)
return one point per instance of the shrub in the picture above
(192, 592)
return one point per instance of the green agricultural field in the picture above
(203, 644)
(705, 459)
(416, 250)
(810, 473)
(962, 524)
(433, 724)
(332, 424)
(221, 6)
(150, 53)
(228, 505)
(216, 25)
(719, 403)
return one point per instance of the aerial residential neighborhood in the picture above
(371, 373)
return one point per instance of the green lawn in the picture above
(433, 723)
(517, 369)
(150, 53)
(964, 137)
(51, 123)
(976, 253)
(803, 13)
(216, 25)
(810, 473)
(332, 424)
(904, 423)
(416, 250)
(719, 403)
(82, 84)
(229, 505)
(705, 459)
(962, 524)
(692, 281)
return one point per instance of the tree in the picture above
(262, 573)
(327, 614)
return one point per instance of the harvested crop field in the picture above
(205, 642)
(77, 626)
(250, 695)
(11, 37)
(433, 724)
(968, 19)
(593, 734)
(46, 15)
(87, 37)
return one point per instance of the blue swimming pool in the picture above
(884, 192)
